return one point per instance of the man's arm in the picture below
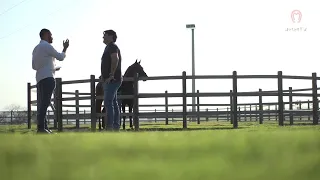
(114, 59)
(59, 56)
(35, 64)
(34, 67)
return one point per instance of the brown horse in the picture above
(126, 88)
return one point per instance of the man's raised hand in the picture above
(66, 43)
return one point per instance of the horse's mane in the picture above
(128, 72)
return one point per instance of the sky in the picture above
(246, 36)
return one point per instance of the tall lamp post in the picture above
(192, 27)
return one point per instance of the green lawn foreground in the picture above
(260, 152)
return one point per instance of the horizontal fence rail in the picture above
(233, 112)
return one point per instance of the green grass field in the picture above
(262, 152)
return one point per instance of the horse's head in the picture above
(137, 68)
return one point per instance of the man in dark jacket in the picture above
(111, 76)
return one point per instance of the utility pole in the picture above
(192, 27)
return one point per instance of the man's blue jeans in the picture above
(45, 89)
(111, 105)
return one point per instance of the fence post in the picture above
(67, 111)
(29, 104)
(184, 99)
(217, 114)
(269, 114)
(136, 102)
(166, 107)
(280, 98)
(308, 109)
(84, 119)
(231, 108)
(315, 99)
(250, 112)
(207, 117)
(260, 107)
(77, 109)
(93, 103)
(198, 108)
(300, 107)
(235, 99)
(59, 103)
(290, 105)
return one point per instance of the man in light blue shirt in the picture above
(43, 61)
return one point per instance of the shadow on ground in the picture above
(86, 129)
(188, 129)
(143, 129)
(151, 127)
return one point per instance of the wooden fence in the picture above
(233, 111)
(70, 116)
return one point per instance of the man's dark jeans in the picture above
(111, 105)
(45, 89)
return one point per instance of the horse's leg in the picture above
(99, 92)
(98, 110)
(99, 118)
(123, 107)
(103, 118)
(99, 123)
(130, 117)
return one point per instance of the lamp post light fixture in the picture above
(192, 27)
